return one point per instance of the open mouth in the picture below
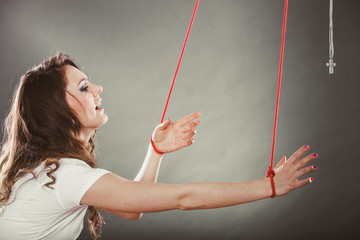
(97, 107)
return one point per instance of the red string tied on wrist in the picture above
(153, 145)
(271, 173)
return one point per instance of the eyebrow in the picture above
(83, 79)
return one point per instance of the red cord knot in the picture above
(271, 173)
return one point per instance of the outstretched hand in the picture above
(288, 172)
(171, 136)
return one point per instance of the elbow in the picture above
(135, 216)
(188, 204)
(188, 199)
(184, 203)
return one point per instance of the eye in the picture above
(83, 88)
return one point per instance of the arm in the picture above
(148, 173)
(116, 193)
(167, 138)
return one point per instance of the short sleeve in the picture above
(73, 178)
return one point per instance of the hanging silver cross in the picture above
(331, 63)
(331, 66)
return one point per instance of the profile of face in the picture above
(83, 98)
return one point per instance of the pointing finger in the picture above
(189, 118)
(298, 154)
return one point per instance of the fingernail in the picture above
(315, 155)
(194, 130)
(306, 146)
(315, 167)
(311, 179)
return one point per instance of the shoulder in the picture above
(64, 165)
(73, 165)
(73, 178)
(72, 161)
(69, 169)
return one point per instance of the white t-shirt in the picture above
(39, 212)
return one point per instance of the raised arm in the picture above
(116, 193)
(168, 137)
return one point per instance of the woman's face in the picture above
(83, 98)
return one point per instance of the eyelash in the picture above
(83, 88)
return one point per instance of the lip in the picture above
(98, 103)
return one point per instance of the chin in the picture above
(105, 119)
(94, 125)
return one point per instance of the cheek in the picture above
(74, 104)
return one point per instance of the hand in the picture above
(169, 137)
(288, 172)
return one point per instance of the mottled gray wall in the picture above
(229, 74)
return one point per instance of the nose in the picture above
(97, 90)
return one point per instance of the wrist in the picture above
(154, 148)
(270, 174)
(267, 187)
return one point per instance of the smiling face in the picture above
(83, 98)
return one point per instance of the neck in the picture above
(85, 134)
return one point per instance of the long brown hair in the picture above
(41, 127)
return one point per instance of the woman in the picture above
(48, 171)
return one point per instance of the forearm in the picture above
(150, 168)
(216, 195)
(126, 196)
(121, 195)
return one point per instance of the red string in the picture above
(176, 71)
(177, 68)
(271, 172)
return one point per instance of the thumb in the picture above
(281, 162)
(165, 124)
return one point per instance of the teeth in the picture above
(98, 106)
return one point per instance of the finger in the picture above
(189, 134)
(281, 162)
(190, 126)
(187, 119)
(304, 171)
(306, 160)
(298, 154)
(188, 142)
(303, 182)
(165, 124)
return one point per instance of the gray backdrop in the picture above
(229, 74)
